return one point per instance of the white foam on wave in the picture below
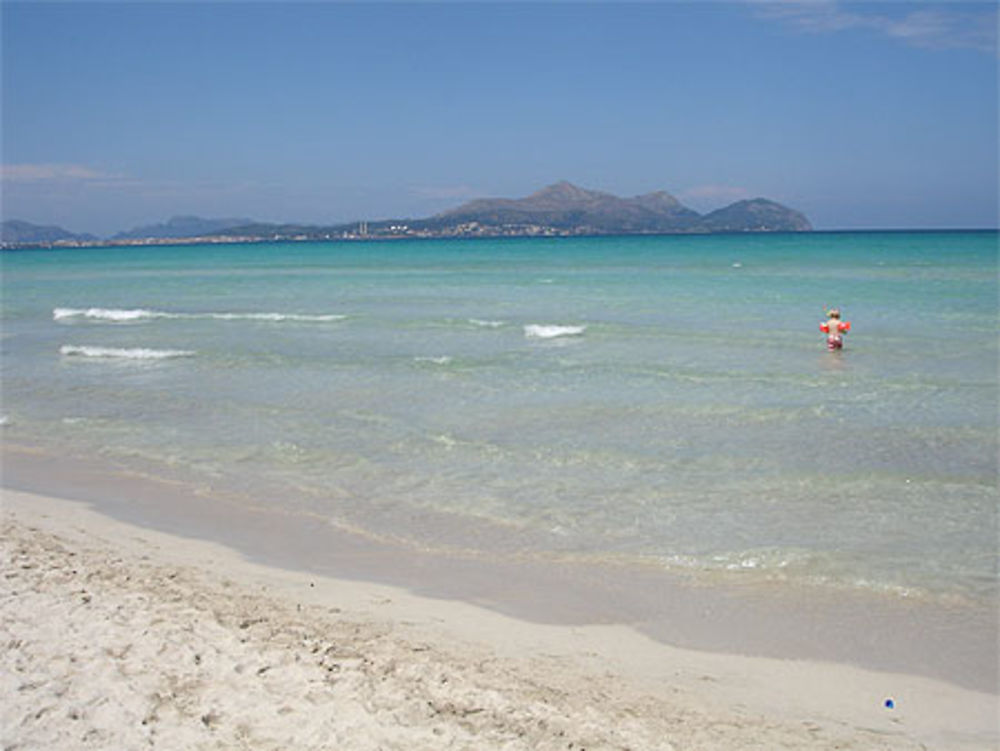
(486, 324)
(271, 317)
(551, 331)
(138, 353)
(443, 360)
(140, 314)
(106, 314)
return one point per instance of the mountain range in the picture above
(565, 206)
(182, 226)
(559, 209)
(16, 232)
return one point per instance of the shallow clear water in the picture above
(664, 401)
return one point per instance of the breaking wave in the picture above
(104, 314)
(486, 324)
(140, 314)
(139, 353)
(543, 331)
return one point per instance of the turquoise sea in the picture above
(663, 402)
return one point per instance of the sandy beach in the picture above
(117, 636)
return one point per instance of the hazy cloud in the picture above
(74, 178)
(933, 26)
(35, 173)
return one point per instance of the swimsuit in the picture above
(835, 341)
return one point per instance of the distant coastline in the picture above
(558, 210)
(224, 240)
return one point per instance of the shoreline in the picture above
(868, 630)
(380, 665)
(774, 620)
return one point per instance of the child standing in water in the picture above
(835, 329)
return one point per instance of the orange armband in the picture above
(824, 327)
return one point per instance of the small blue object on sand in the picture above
(890, 704)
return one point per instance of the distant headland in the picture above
(562, 209)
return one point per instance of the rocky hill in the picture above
(758, 215)
(16, 232)
(566, 207)
(182, 226)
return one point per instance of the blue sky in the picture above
(871, 115)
